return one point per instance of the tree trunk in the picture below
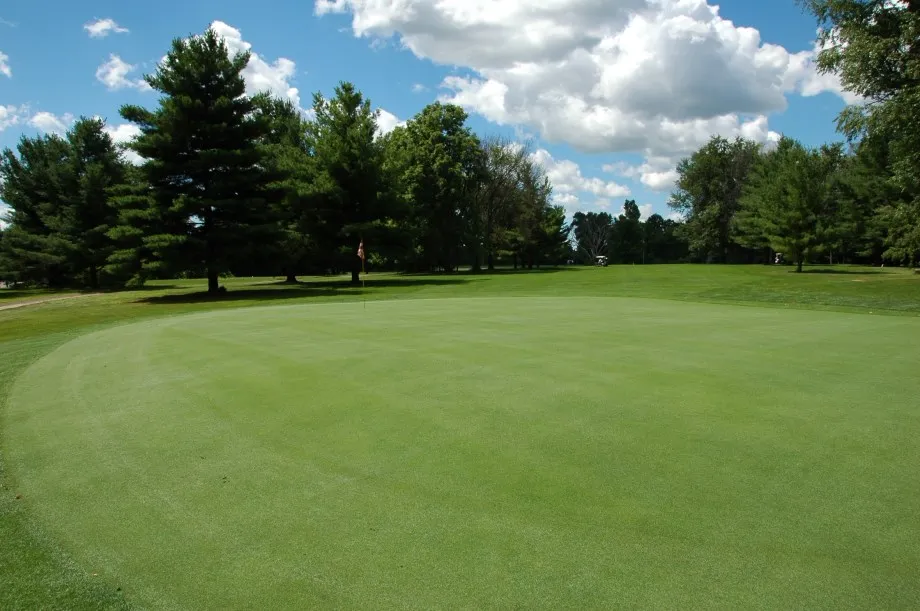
(93, 277)
(491, 262)
(213, 281)
(291, 279)
(515, 261)
(355, 276)
(798, 265)
(477, 260)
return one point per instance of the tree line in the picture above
(242, 184)
(858, 202)
(626, 238)
(744, 203)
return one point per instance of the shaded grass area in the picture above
(38, 574)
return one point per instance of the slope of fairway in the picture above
(487, 452)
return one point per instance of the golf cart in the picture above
(600, 261)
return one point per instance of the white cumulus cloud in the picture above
(387, 121)
(123, 134)
(260, 75)
(5, 69)
(566, 177)
(657, 173)
(804, 77)
(654, 77)
(50, 123)
(11, 115)
(100, 28)
(114, 75)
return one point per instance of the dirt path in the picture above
(23, 304)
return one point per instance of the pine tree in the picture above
(58, 190)
(287, 156)
(552, 236)
(210, 193)
(788, 201)
(96, 167)
(33, 182)
(626, 236)
(347, 158)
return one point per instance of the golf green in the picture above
(490, 452)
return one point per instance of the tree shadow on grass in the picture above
(406, 281)
(144, 288)
(485, 273)
(540, 270)
(842, 272)
(275, 294)
(278, 291)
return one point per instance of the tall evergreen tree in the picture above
(96, 167)
(532, 203)
(626, 238)
(209, 189)
(58, 189)
(788, 201)
(347, 202)
(869, 192)
(551, 237)
(33, 183)
(287, 156)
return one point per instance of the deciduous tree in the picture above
(443, 172)
(709, 186)
(874, 46)
(592, 234)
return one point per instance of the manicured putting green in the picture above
(521, 452)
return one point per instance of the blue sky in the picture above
(609, 94)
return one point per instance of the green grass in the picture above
(585, 438)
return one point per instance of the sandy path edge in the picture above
(23, 304)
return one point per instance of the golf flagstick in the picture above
(363, 273)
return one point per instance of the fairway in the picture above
(487, 452)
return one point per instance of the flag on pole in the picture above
(361, 254)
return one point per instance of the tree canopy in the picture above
(210, 191)
(874, 47)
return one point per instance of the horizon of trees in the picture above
(232, 184)
(858, 202)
